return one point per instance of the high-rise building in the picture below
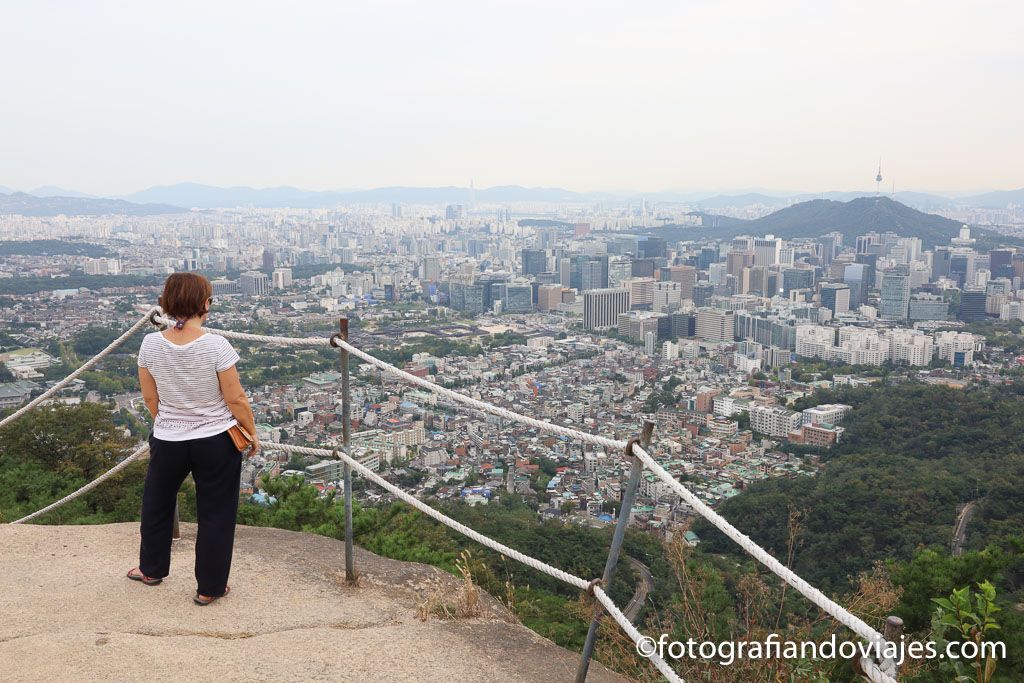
(835, 296)
(453, 212)
(956, 347)
(653, 247)
(766, 250)
(702, 293)
(830, 246)
(1000, 262)
(592, 275)
(796, 278)
(972, 305)
(910, 347)
(683, 324)
(641, 292)
(514, 298)
(601, 307)
(895, 295)
(928, 307)
(686, 276)
(636, 324)
(281, 278)
(736, 261)
(549, 297)
(535, 261)
(855, 275)
(269, 260)
(430, 269)
(254, 283)
(941, 258)
(667, 296)
(620, 269)
(715, 325)
(650, 342)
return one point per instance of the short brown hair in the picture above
(185, 295)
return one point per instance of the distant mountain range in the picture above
(29, 205)
(852, 218)
(919, 200)
(199, 196)
(208, 197)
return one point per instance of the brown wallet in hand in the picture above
(242, 439)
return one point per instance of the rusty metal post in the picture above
(893, 632)
(635, 470)
(346, 428)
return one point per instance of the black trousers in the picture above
(216, 467)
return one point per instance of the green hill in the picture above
(852, 218)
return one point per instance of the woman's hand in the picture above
(256, 447)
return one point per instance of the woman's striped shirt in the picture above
(191, 405)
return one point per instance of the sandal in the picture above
(148, 580)
(206, 600)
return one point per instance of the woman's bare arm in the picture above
(238, 402)
(149, 395)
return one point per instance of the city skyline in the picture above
(116, 97)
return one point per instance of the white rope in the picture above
(139, 452)
(627, 626)
(161, 319)
(431, 512)
(829, 606)
(873, 673)
(483, 406)
(74, 375)
(825, 603)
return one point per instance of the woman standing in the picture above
(190, 385)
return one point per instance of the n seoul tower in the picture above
(878, 179)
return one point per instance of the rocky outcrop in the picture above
(69, 613)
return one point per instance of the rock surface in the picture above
(67, 612)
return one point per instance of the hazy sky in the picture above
(111, 97)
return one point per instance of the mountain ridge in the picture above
(855, 217)
(23, 204)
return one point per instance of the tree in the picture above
(52, 451)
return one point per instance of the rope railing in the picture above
(139, 452)
(155, 316)
(832, 608)
(82, 368)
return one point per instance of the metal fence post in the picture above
(346, 427)
(175, 529)
(635, 470)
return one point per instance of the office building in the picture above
(796, 278)
(667, 296)
(281, 278)
(702, 293)
(715, 325)
(956, 347)
(835, 296)
(972, 305)
(774, 420)
(601, 307)
(895, 296)
(254, 283)
(766, 250)
(534, 261)
(430, 269)
(928, 307)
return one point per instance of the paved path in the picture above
(643, 589)
(963, 518)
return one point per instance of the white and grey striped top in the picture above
(191, 404)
